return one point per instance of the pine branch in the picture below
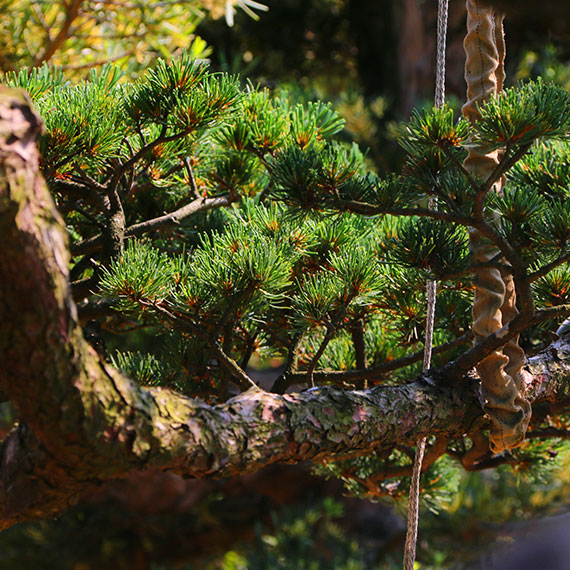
(83, 421)
(93, 244)
(504, 165)
(367, 209)
(558, 312)
(548, 267)
(373, 373)
(241, 377)
(320, 351)
(467, 175)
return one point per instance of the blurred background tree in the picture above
(80, 34)
(375, 62)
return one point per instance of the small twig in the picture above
(96, 309)
(77, 191)
(557, 312)
(488, 345)
(83, 288)
(248, 352)
(357, 334)
(129, 182)
(89, 216)
(96, 63)
(242, 378)
(77, 270)
(265, 192)
(282, 382)
(447, 199)
(226, 347)
(191, 178)
(143, 151)
(314, 361)
(461, 168)
(332, 327)
(42, 21)
(367, 209)
(85, 178)
(92, 244)
(177, 216)
(432, 454)
(372, 373)
(504, 165)
(508, 252)
(53, 44)
(547, 433)
(545, 269)
(261, 156)
(234, 304)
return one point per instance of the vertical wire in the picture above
(431, 290)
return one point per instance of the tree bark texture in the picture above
(81, 421)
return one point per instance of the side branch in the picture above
(92, 244)
(372, 373)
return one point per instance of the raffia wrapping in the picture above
(502, 378)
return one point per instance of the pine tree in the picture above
(215, 224)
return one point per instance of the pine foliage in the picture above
(228, 225)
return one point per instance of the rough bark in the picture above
(82, 421)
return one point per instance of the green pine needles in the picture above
(222, 226)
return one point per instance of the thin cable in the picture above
(431, 290)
